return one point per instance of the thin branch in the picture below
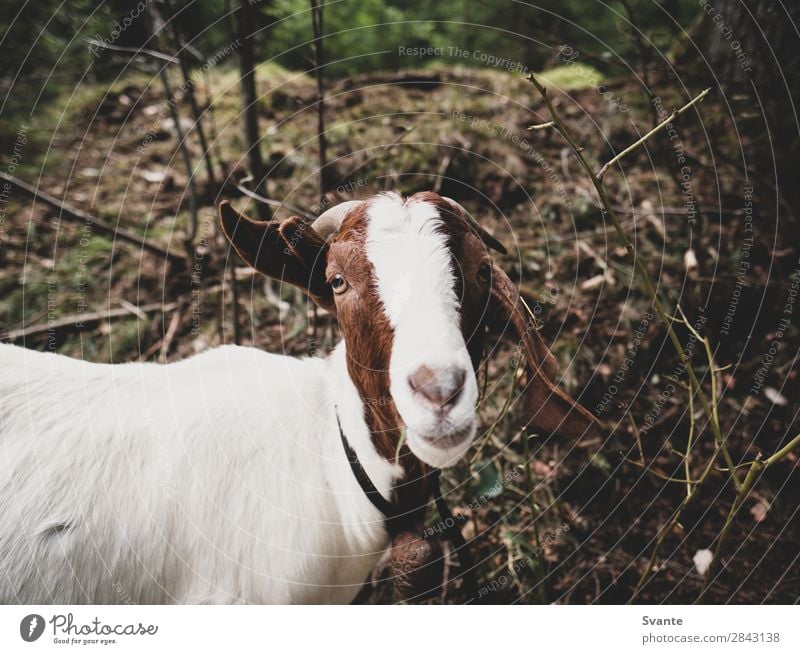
(272, 203)
(83, 321)
(100, 225)
(538, 567)
(657, 128)
(641, 270)
(666, 530)
(638, 436)
(657, 473)
(756, 467)
(687, 459)
(138, 51)
(236, 309)
(665, 320)
(188, 84)
(781, 453)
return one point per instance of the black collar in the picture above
(390, 512)
(397, 521)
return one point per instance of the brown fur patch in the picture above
(369, 339)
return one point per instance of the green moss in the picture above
(571, 77)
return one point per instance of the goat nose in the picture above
(440, 389)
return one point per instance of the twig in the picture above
(538, 572)
(687, 459)
(82, 321)
(638, 436)
(273, 203)
(756, 467)
(781, 453)
(665, 320)
(236, 310)
(100, 225)
(139, 51)
(714, 418)
(675, 113)
(657, 473)
(640, 270)
(667, 529)
(503, 412)
(441, 169)
(188, 84)
(542, 126)
(170, 335)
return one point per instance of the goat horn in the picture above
(329, 222)
(485, 236)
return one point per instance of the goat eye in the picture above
(485, 273)
(338, 284)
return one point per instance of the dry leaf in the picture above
(690, 261)
(759, 511)
(153, 176)
(775, 397)
(702, 560)
(598, 280)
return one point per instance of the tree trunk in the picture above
(753, 50)
(246, 20)
(317, 7)
(188, 84)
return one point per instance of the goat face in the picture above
(395, 271)
(412, 284)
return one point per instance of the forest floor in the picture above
(596, 504)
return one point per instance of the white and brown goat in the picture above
(222, 478)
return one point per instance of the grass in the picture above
(571, 77)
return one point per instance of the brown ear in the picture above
(550, 409)
(289, 251)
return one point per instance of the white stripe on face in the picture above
(416, 284)
(411, 261)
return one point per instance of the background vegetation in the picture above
(122, 261)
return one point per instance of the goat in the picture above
(221, 478)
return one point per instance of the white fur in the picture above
(217, 479)
(220, 478)
(415, 282)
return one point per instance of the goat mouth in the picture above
(450, 437)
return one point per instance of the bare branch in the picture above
(137, 51)
(657, 128)
(272, 203)
(542, 126)
(83, 321)
(100, 225)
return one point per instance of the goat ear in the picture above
(289, 251)
(549, 408)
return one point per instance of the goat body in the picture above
(222, 478)
(192, 482)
